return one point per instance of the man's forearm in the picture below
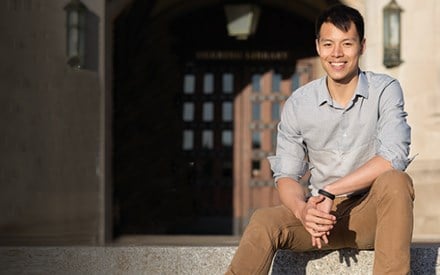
(361, 178)
(292, 195)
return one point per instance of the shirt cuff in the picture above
(396, 162)
(287, 166)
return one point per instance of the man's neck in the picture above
(342, 92)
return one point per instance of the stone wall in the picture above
(50, 144)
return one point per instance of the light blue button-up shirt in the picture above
(317, 134)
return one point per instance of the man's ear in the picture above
(363, 43)
(317, 46)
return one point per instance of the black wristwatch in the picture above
(326, 194)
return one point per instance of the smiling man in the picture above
(349, 131)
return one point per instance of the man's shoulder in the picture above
(308, 90)
(378, 79)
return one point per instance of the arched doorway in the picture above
(195, 112)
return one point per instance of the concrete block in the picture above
(197, 260)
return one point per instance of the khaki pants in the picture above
(381, 219)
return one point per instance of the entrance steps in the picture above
(186, 259)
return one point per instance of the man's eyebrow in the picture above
(352, 39)
(325, 40)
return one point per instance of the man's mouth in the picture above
(337, 65)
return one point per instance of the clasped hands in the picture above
(317, 220)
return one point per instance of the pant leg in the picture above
(383, 220)
(269, 229)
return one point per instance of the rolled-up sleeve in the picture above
(394, 133)
(289, 160)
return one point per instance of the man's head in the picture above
(341, 16)
(340, 43)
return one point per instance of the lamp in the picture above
(242, 20)
(75, 25)
(392, 33)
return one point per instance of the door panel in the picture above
(207, 139)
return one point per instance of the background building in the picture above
(166, 126)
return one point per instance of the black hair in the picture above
(341, 16)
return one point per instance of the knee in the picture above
(268, 219)
(394, 184)
(261, 217)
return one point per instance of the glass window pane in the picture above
(256, 140)
(227, 169)
(207, 139)
(208, 111)
(276, 83)
(188, 140)
(208, 83)
(188, 111)
(256, 111)
(227, 138)
(189, 84)
(227, 111)
(274, 139)
(295, 82)
(256, 168)
(228, 83)
(256, 87)
(276, 111)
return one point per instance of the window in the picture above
(276, 83)
(295, 82)
(208, 111)
(256, 166)
(256, 140)
(227, 113)
(227, 169)
(189, 84)
(256, 87)
(274, 139)
(188, 140)
(228, 83)
(208, 83)
(256, 111)
(276, 111)
(207, 139)
(188, 111)
(227, 138)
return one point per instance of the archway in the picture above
(188, 153)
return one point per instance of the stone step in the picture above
(209, 260)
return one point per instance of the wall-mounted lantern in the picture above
(242, 20)
(75, 27)
(391, 34)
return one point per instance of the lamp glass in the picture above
(392, 34)
(75, 24)
(241, 20)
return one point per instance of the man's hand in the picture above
(325, 206)
(316, 219)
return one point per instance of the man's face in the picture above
(339, 52)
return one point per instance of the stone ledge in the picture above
(190, 260)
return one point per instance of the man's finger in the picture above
(316, 199)
(324, 238)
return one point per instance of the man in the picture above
(349, 130)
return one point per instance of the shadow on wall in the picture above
(91, 42)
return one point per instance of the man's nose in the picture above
(337, 51)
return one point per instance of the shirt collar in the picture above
(361, 89)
